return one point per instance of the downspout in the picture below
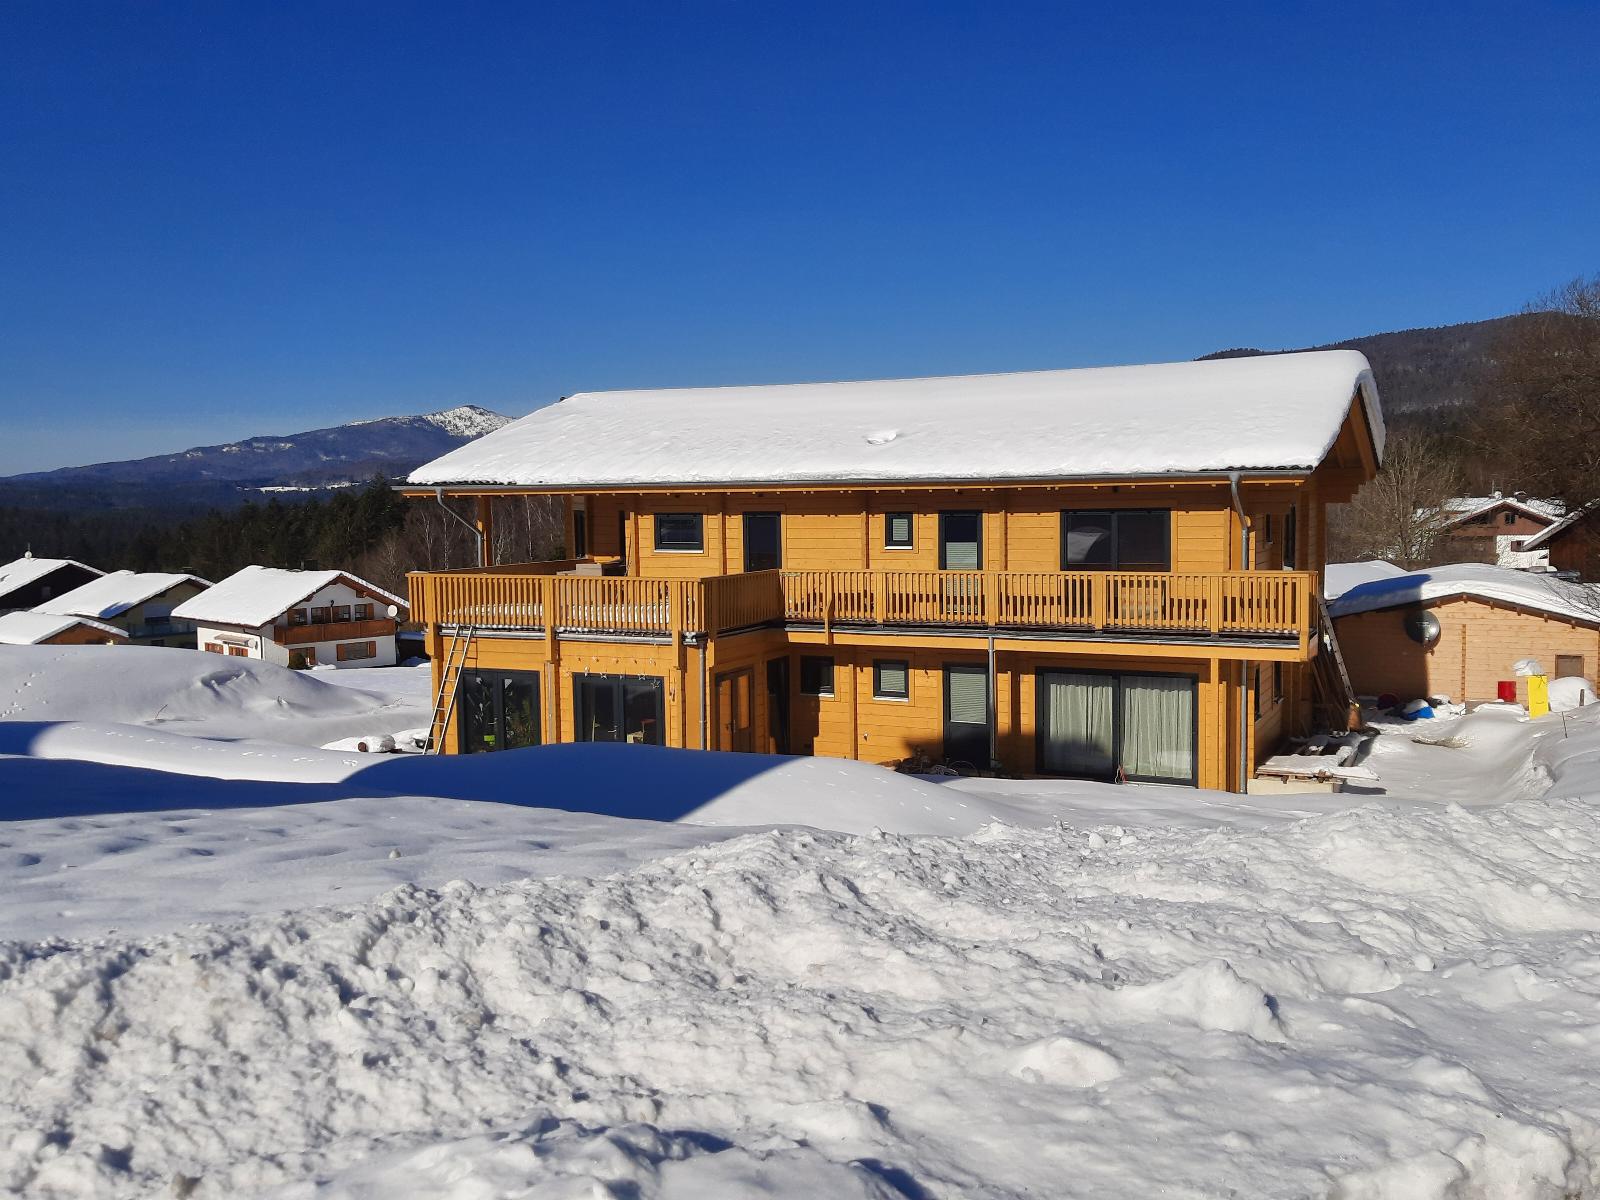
(477, 534)
(705, 684)
(1244, 665)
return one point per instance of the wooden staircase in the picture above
(1333, 697)
(444, 702)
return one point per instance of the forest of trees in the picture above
(370, 530)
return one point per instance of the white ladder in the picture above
(444, 703)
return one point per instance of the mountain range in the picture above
(314, 460)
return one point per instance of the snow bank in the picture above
(1279, 411)
(1370, 1004)
(1570, 693)
(1339, 578)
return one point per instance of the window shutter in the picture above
(961, 556)
(892, 679)
(969, 697)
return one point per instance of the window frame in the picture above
(1291, 539)
(878, 665)
(1116, 515)
(342, 651)
(944, 538)
(911, 530)
(833, 668)
(699, 520)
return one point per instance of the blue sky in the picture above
(228, 219)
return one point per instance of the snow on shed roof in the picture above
(1271, 412)
(1542, 593)
(114, 594)
(1464, 508)
(1550, 532)
(257, 595)
(22, 571)
(1339, 578)
(31, 628)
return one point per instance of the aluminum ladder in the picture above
(444, 703)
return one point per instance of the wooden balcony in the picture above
(1140, 604)
(331, 631)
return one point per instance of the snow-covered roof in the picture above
(1541, 593)
(1459, 509)
(114, 594)
(1339, 578)
(1271, 412)
(23, 571)
(31, 628)
(1550, 532)
(255, 596)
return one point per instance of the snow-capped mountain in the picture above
(316, 458)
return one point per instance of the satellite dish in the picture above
(1422, 627)
(393, 610)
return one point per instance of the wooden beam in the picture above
(485, 527)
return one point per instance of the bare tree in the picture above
(1398, 515)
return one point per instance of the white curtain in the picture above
(1077, 724)
(1158, 727)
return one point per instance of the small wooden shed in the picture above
(1488, 618)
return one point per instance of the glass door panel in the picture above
(1077, 717)
(1157, 734)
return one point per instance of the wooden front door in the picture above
(736, 710)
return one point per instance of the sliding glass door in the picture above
(499, 710)
(1102, 725)
(619, 708)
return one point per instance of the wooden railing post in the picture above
(827, 608)
(880, 611)
(1100, 601)
(1214, 604)
(990, 615)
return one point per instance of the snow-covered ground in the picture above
(654, 984)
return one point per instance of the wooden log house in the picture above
(1111, 573)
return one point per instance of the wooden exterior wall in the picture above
(79, 634)
(1478, 642)
(853, 723)
(838, 530)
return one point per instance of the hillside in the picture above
(315, 458)
(1437, 374)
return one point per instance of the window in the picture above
(1290, 540)
(238, 652)
(341, 612)
(1508, 518)
(346, 651)
(321, 616)
(1107, 726)
(680, 532)
(1569, 666)
(1266, 529)
(1256, 693)
(816, 675)
(891, 679)
(960, 541)
(1277, 682)
(498, 711)
(619, 708)
(1124, 539)
(580, 533)
(298, 616)
(897, 531)
(363, 612)
(215, 648)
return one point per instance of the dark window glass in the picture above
(897, 529)
(499, 712)
(1127, 539)
(1290, 544)
(1277, 681)
(763, 541)
(816, 675)
(891, 679)
(1266, 529)
(341, 612)
(321, 616)
(614, 708)
(363, 612)
(680, 531)
(1509, 518)
(580, 533)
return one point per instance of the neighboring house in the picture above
(1108, 573)
(44, 629)
(140, 603)
(1496, 529)
(298, 618)
(1572, 545)
(1488, 618)
(29, 581)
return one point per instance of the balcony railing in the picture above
(1233, 603)
(330, 631)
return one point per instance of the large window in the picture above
(1107, 726)
(680, 532)
(499, 710)
(347, 651)
(1132, 539)
(816, 675)
(619, 708)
